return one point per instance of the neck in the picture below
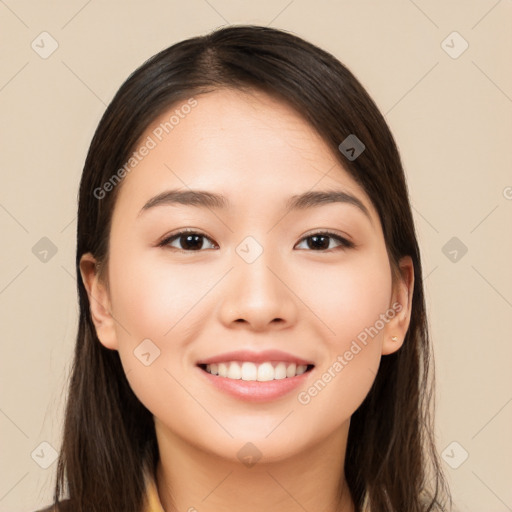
(189, 479)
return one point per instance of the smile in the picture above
(256, 376)
(261, 372)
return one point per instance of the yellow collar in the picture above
(154, 504)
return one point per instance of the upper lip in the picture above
(255, 357)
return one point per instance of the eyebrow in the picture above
(204, 199)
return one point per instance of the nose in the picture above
(258, 296)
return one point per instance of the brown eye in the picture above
(322, 241)
(187, 241)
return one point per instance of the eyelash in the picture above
(344, 243)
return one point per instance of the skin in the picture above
(257, 152)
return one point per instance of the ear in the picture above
(99, 302)
(401, 304)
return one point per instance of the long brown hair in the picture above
(109, 439)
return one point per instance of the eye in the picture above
(320, 241)
(188, 240)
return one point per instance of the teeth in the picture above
(249, 371)
(291, 369)
(265, 372)
(256, 372)
(234, 372)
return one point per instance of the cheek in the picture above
(164, 303)
(348, 298)
(153, 299)
(350, 306)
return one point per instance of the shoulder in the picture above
(63, 506)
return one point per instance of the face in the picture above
(287, 288)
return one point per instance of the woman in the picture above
(252, 330)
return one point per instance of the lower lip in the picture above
(256, 391)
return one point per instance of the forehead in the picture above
(249, 146)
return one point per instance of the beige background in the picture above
(452, 121)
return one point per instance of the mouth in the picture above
(256, 371)
(256, 376)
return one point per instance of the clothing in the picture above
(153, 500)
(154, 504)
